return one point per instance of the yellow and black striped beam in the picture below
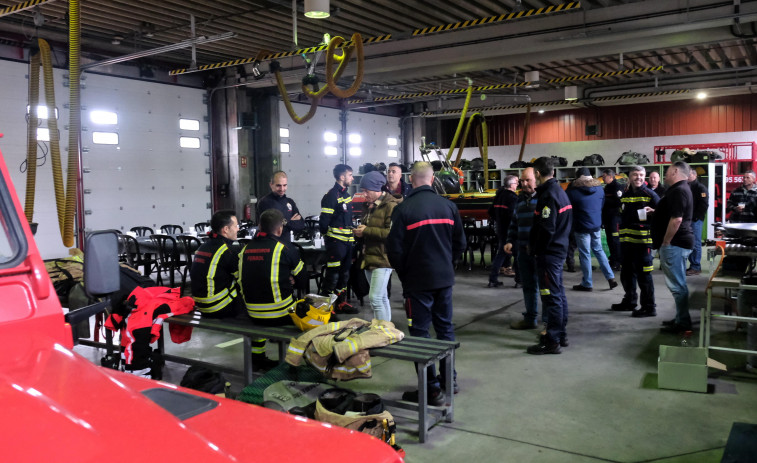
(599, 75)
(450, 112)
(22, 6)
(641, 95)
(519, 84)
(383, 38)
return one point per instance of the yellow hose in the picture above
(74, 124)
(31, 137)
(331, 78)
(453, 145)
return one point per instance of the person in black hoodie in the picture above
(548, 244)
(611, 216)
(425, 239)
(586, 196)
(501, 211)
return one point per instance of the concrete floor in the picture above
(597, 401)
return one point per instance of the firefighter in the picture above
(636, 243)
(277, 199)
(548, 244)
(336, 225)
(611, 216)
(269, 270)
(214, 270)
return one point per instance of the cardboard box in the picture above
(682, 368)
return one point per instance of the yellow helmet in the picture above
(306, 316)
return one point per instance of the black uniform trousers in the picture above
(611, 222)
(637, 267)
(337, 266)
(552, 292)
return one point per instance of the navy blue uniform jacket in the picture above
(287, 207)
(553, 219)
(425, 238)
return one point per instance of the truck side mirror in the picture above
(101, 272)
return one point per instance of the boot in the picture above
(341, 306)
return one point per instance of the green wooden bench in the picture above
(421, 351)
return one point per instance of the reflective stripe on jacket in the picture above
(633, 229)
(336, 214)
(214, 274)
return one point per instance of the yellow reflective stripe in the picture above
(270, 310)
(275, 288)
(647, 269)
(388, 333)
(353, 345)
(628, 239)
(258, 350)
(613, 234)
(341, 231)
(348, 199)
(212, 299)
(208, 307)
(326, 210)
(213, 267)
(544, 292)
(633, 199)
(333, 264)
(631, 231)
(346, 239)
(298, 269)
(295, 350)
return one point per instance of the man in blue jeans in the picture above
(701, 202)
(517, 238)
(671, 234)
(587, 197)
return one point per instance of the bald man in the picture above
(425, 239)
(277, 199)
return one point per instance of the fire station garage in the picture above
(610, 144)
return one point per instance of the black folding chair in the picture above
(133, 255)
(190, 244)
(171, 229)
(142, 231)
(168, 256)
(202, 227)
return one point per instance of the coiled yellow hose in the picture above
(483, 142)
(31, 137)
(74, 123)
(331, 78)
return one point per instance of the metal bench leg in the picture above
(282, 351)
(248, 359)
(449, 376)
(422, 403)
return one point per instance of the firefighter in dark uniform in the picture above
(268, 267)
(611, 216)
(214, 270)
(636, 244)
(277, 199)
(336, 225)
(548, 244)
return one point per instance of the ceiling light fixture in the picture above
(701, 95)
(571, 93)
(117, 39)
(317, 9)
(518, 6)
(541, 111)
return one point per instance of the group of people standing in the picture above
(638, 218)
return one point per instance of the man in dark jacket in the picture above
(671, 234)
(636, 242)
(548, 244)
(742, 203)
(501, 211)
(277, 199)
(517, 238)
(214, 270)
(587, 197)
(655, 184)
(395, 185)
(425, 239)
(611, 216)
(701, 203)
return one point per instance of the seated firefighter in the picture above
(214, 270)
(269, 272)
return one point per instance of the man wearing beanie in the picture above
(377, 220)
(587, 197)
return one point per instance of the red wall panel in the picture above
(715, 115)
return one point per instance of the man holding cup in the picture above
(741, 204)
(637, 203)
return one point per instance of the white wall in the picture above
(309, 169)
(147, 179)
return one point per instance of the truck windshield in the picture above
(7, 251)
(10, 246)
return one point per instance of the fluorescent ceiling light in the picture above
(317, 9)
(571, 93)
(355, 138)
(189, 142)
(701, 95)
(189, 124)
(329, 150)
(329, 136)
(103, 117)
(391, 141)
(541, 111)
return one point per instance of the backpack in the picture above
(560, 161)
(204, 380)
(681, 155)
(359, 412)
(593, 160)
(630, 158)
(705, 156)
(478, 164)
(520, 165)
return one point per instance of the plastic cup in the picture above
(742, 204)
(642, 214)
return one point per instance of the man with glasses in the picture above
(277, 199)
(743, 200)
(501, 211)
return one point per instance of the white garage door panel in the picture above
(121, 176)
